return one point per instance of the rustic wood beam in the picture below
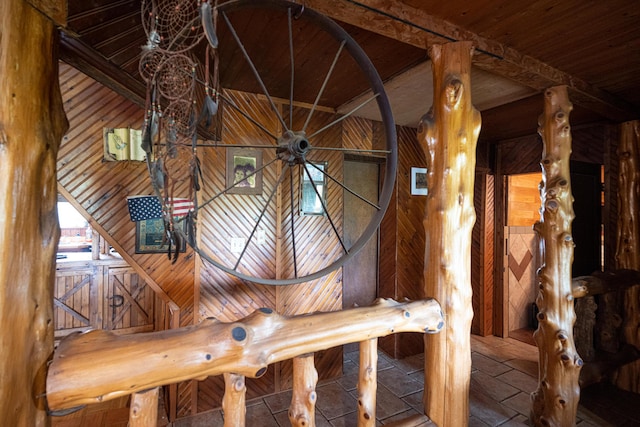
(449, 133)
(416, 27)
(82, 57)
(555, 402)
(32, 123)
(604, 282)
(98, 365)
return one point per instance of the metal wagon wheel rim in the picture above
(293, 151)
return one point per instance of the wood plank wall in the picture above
(101, 188)
(402, 242)
(228, 298)
(590, 144)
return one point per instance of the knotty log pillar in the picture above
(302, 411)
(32, 123)
(628, 245)
(234, 407)
(555, 402)
(367, 383)
(449, 132)
(143, 410)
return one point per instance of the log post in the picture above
(98, 365)
(32, 123)
(302, 411)
(367, 383)
(628, 245)
(234, 408)
(449, 132)
(143, 411)
(555, 402)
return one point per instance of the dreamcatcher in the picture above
(173, 29)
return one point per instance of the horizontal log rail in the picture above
(96, 366)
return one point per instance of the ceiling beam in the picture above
(86, 59)
(414, 26)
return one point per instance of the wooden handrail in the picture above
(97, 365)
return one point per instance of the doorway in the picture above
(360, 273)
(522, 257)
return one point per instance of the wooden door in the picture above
(360, 273)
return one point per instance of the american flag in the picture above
(180, 207)
(144, 207)
(149, 207)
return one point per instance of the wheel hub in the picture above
(293, 147)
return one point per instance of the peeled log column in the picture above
(555, 402)
(302, 411)
(449, 133)
(234, 406)
(367, 383)
(32, 124)
(628, 245)
(143, 410)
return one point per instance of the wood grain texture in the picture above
(143, 411)
(449, 133)
(302, 411)
(32, 123)
(99, 365)
(628, 245)
(367, 382)
(555, 402)
(402, 242)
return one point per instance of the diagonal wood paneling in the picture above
(403, 242)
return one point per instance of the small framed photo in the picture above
(150, 236)
(243, 171)
(419, 181)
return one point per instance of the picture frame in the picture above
(149, 236)
(243, 170)
(419, 181)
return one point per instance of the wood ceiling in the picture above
(520, 49)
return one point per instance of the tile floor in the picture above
(504, 373)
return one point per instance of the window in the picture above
(313, 184)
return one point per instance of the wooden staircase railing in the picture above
(97, 365)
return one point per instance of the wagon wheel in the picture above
(299, 167)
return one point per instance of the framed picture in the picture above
(149, 236)
(243, 171)
(419, 181)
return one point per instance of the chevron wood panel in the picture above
(224, 296)
(521, 155)
(403, 242)
(488, 255)
(101, 187)
(482, 256)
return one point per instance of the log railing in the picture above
(97, 365)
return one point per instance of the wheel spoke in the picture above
(255, 227)
(292, 67)
(350, 150)
(236, 183)
(293, 231)
(338, 120)
(254, 70)
(324, 84)
(246, 116)
(324, 207)
(367, 201)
